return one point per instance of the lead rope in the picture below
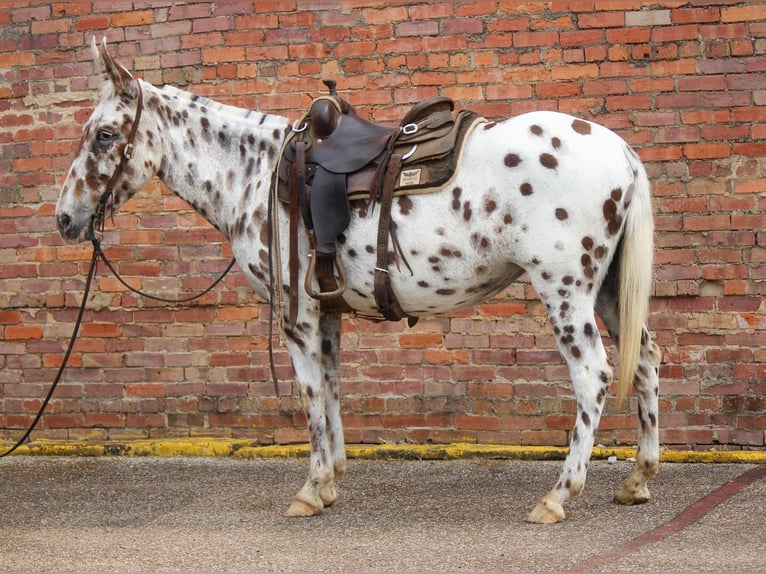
(98, 253)
(89, 280)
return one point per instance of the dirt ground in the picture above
(222, 514)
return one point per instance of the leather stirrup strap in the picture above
(298, 191)
(384, 296)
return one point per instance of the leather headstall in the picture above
(127, 154)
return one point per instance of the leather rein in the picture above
(98, 220)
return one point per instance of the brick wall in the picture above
(683, 82)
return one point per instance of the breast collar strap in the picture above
(127, 154)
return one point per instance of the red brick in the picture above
(686, 107)
(755, 12)
(135, 18)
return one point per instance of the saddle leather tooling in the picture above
(332, 156)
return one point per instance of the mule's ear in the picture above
(121, 79)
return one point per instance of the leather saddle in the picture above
(333, 156)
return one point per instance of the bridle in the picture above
(127, 154)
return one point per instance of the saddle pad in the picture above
(427, 175)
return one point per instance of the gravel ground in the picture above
(130, 514)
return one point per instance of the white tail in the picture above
(636, 263)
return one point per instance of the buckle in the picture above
(410, 129)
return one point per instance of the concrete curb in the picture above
(249, 449)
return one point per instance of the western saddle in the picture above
(332, 157)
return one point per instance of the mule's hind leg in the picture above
(634, 488)
(646, 382)
(580, 344)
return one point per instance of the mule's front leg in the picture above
(319, 490)
(330, 327)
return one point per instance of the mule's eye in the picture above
(105, 136)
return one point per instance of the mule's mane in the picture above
(251, 116)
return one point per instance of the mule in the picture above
(565, 200)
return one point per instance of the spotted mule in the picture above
(562, 199)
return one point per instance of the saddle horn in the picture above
(331, 86)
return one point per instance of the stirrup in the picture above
(322, 295)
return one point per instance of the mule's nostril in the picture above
(64, 221)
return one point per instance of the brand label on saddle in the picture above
(409, 177)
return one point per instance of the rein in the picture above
(98, 253)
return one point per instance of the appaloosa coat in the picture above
(563, 199)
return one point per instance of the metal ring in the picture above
(409, 153)
(300, 129)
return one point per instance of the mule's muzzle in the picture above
(69, 228)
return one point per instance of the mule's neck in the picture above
(218, 158)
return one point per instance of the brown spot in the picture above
(489, 125)
(616, 194)
(561, 214)
(456, 198)
(610, 209)
(447, 252)
(581, 127)
(537, 130)
(556, 143)
(512, 160)
(548, 161)
(585, 418)
(405, 205)
(507, 219)
(599, 252)
(526, 188)
(445, 291)
(587, 242)
(467, 211)
(568, 280)
(614, 225)
(575, 350)
(490, 205)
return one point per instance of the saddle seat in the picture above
(333, 156)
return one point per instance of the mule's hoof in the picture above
(302, 508)
(546, 512)
(629, 497)
(329, 495)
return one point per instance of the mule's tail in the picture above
(635, 276)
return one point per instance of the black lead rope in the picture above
(91, 272)
(110, 265)
(98, 253)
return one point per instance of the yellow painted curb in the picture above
(164, 447)
(249, 449)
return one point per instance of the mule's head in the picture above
(115, 158)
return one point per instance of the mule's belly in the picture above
(425, 293)
(436, 268)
